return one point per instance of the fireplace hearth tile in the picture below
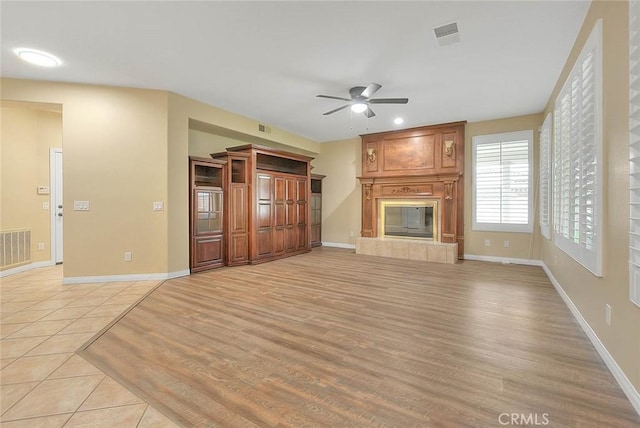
(437, 253)
(417, 251)
(413, 249)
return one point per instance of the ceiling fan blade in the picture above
(333, 98)
(370, 90)
(336, 109)
(369, 113)
(389, 100)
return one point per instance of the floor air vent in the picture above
(15, 247)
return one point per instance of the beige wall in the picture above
(26, 135)
(203, 143)
(521, 245)
(589, 293)
(341, 190)
(115, 156)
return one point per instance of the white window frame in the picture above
(503, 138)
(634, 152)
(578, 141)
(545, 178)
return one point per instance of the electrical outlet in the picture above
(40, 246)
(45, 206)
(487, 242)
(506, 244)
(607, 314)
(351, 233)
(127, 256)
(158, 206)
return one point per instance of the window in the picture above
(545, 177)
(577, 162)
(502, 177)
(634, 152)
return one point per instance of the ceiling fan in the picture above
(361, 98)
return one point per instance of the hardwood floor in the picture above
(331, 338)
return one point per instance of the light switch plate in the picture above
(81, 205)
(158, 206)
(43, 190)
(45, 205)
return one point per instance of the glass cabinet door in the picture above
(209, 211)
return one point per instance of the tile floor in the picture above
(43, 383)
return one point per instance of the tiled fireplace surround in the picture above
(408, 248)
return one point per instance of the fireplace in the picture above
(413, 193)
(412, 218)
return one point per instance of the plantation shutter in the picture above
(545, 177)
(502, 178)
(577, 180)
(634, 152)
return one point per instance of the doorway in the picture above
(56, 205)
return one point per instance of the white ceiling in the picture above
(268, 60)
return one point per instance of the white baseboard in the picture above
(624, 382)
(338, 245)
(121, 278)
(505, 260)
(25, 268)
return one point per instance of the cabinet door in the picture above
(207, 243)
(280, 208)
(208, 212)
(238, 205)
(264, 215)
(208, 252)
(291, 219)
(316, 219)
(302, 214)
(316, 209)
(238, 247)
(316, 237)
(238, 237)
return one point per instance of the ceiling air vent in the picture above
(447, 34)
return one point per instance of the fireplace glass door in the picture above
(409, 220)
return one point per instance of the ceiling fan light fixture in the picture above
(36, 57)
(358, 107)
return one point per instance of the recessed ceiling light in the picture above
(398, 120)
(36, 57)
(358, 107)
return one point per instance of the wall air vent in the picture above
(447, 34)
(264, 128)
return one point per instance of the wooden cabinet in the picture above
(316, 210)
(268, 207)
(206, 223)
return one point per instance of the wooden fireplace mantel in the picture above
(426, 162)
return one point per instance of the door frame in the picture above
(54, 174)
